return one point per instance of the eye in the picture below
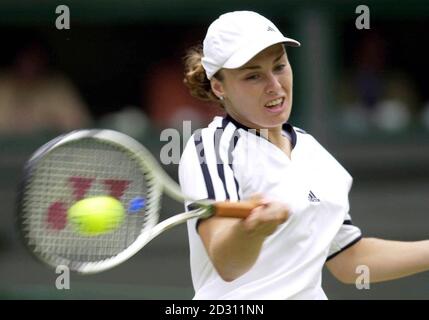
(253, 77)
(280, 67)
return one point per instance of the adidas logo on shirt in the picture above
(312, 197)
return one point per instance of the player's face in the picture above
(259, 94)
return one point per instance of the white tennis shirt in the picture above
(226, 160)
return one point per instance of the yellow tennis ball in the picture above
(96, 215)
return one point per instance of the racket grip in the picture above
(231, 209)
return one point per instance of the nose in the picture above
(273, 85)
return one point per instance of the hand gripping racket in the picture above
(90, 163)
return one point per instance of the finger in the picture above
(253, 219)
(276, 212)
(258, 198)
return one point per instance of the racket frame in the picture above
(203, 208)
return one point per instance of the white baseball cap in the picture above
(236, 37)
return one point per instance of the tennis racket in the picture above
(90, 163)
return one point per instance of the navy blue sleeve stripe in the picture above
(198, 139)
(348, 222)
(346, 247)
(232, 144)
(228, 184)
(217, 136)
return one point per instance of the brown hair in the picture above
(195, 76)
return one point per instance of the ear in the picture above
(217, 87)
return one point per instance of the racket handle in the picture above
(231, 209)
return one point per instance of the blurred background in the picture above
(362, 93)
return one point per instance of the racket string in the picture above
(50, 184)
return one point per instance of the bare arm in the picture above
(233, 245)
(386, 260)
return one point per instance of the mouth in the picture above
(276, 105)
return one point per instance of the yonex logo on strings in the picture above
(57, 212)
(81, 185)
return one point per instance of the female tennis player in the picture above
(302, 222)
